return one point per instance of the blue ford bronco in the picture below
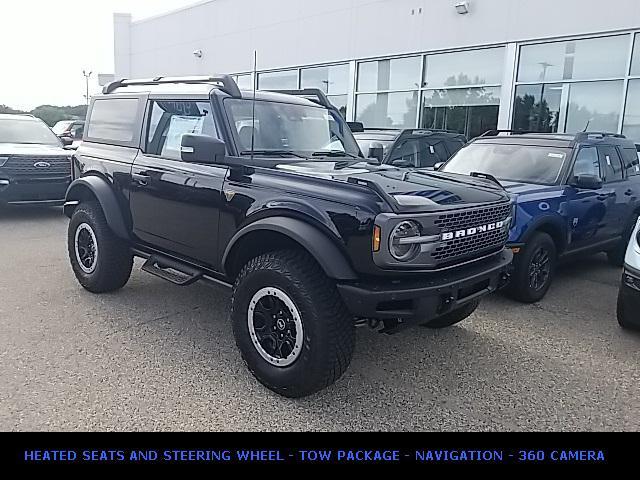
(575, 194)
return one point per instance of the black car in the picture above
(271, 197)
(34, 166)
(415, 148)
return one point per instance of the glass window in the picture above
(631, 125)
(635, 62)
(244, 82)
(604, 57)
(287, 80)
(470, 111)
(113, 119)
(169, 121)
(333, 80)
(340, 102)
(281, 128)
(594, 106)
(393, 74)
(26, 130)
(419, 152)
(611, 164)
(631, 157)
(517, 163)
(587, 162)
(537, 108)
(473, 67)
(397, 110)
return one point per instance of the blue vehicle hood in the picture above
(527, 192)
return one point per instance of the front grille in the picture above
(471, 218)
(470, 244)
(20, 166)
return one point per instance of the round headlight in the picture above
(400, 246)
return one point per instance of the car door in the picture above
(175, 205)
(617, 188)
(587, 209)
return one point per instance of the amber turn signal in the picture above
(376, 238)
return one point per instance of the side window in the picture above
(77, 130)
(587, 162)
(611, 164)
(114, 120)
(631, 159)
(169, 121)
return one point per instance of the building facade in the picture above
(468, 66)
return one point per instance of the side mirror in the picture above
(376, 150)
(66, 141)
(587, 182)
(202, 149)
(438, 165)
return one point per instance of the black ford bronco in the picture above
(268, 193)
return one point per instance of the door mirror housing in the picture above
(66, 141)
(587, 182)
(202, 149)
(376, 150)
(438, 165)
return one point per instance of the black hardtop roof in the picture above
(215, 84)
(394, 133)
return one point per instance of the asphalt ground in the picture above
(154, 356)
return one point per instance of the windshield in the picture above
(289, 128)
(26, 130)
(517, 163)
(61, 126)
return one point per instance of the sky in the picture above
(45, 45)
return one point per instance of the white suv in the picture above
(629, 297)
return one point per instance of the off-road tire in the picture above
(456, 316)
(520, 288)
(616, 256)
(114, 258)
(328, 328)
(623, 313)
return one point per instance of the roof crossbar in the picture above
(227, 83)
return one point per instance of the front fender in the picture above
(106, 197)
(317, 243)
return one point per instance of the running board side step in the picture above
(172, 271)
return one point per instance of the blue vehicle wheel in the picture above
(534, 269)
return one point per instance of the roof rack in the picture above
(228, 83)
(495, 133)
(317, 95)
(586, 135)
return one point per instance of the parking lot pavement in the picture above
(158, 357)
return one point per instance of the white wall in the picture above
(301, 32)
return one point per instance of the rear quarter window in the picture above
(114, 120)
(631, 159)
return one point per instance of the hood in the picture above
(409, 189)
(8, 149)
(525, 192)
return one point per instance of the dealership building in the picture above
(468, 66)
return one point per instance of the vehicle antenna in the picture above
(253, 105)
(586, 127)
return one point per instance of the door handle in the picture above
(141, 178)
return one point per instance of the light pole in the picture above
(87, 76)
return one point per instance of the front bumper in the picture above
(412, 300)
(629, 299)
(38, 191)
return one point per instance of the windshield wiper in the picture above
(486, 176)
(333, 153)
(280, 153)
